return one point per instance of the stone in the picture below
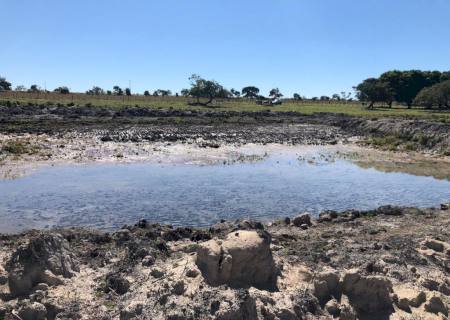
(304, 226)
(405, 298)
(302, 219)
(192, 273)
(242, 260)
(43, 259)
(178, 288)
(430, 284)
(435, 245)
(132, 311)
(327, 216)
(156, 273)
(32, 311)
(326, 284)
(436, 305)
(117, 283)
(333, 308)
(445, 206)
(368, 294)
(148, 261)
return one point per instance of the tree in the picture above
(146, 93)
(128, 91)
(108, 92)
(373, 90)
(324, 98)
(185, 92)
(435, 96)
(336, 97)
(4, 85)
(202, 88)
(250, 92)
(235, 93)
(95, 91)
(20, 88)
(34, 88)
(296, 96)
(62, 90)
(117, 91)
(275, 93)
(163, 93)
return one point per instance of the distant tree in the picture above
(62, 90)
(95, 91)
(296, 96)
(275, 93)
(117, 91)
(20, 88)
(235, 93)
(155, 93)
(324, 98)
(108, 92)
(437, 95)
(4, 85)
(336, 97)
(185, 92)
(128, 91)
(373, 90)
(250, 92)
(163, 93)
(146, 93)
(345, 95)
(209, 89)
(314, 98)
(34, 88)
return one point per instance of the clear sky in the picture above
(313, 47)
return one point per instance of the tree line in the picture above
(429, 89)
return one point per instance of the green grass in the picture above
(18, 147)
(181, 103)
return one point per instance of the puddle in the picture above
(282, 183)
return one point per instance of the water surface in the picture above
(109, 196)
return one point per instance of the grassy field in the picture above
(306, 107)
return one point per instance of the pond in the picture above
(107, 196)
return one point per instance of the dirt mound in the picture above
(242, 260)
(42, 260)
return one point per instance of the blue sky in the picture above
(312, 47)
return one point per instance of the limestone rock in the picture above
(368, 294)
(302, 219)
(44, 258)
(326, 284)
(242, 260)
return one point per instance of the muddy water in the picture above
(283, 183)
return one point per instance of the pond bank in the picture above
(388, 263)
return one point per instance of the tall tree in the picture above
(117, 91)
(4, 85)
(250, 92)
(62, 90)
(373, 90)
(275, 93)
(209, 89)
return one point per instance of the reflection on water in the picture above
(108, 196)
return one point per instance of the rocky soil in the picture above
(217, 127)
(388, 263)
